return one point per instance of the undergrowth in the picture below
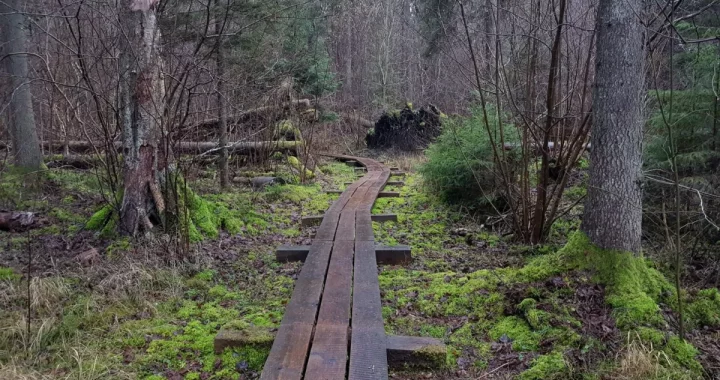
(531, 307)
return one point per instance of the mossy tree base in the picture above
(186, 213)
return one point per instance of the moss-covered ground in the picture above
(142, 309)
(145, 309)
(548, 312)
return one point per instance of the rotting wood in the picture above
(393, 255)
(292, 252)
(384, 218)
(334, 191)
(180, 147)
(311, 220)
(395, 183)
(416, 352)
(399, 174)
(258, 337)
(388, 194)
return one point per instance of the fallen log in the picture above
(211, 124)
(76, 161)
(239, 148)
(355, 119)
(537, 149)
(184, 147)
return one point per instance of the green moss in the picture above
(206, 275)
(545, 367)
(434, 357)
(99, 219)
(8, 274)
(704, 308)
(297, 165)
(516, 329)
(633, 287)
(683, 353)
(433, 331)
(286, 131)
(649, 334)
(119, 246)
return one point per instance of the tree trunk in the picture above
(613, 210)
(222, 116)
(538, 224)
(142, 93)
(25, 142)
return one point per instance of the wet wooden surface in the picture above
(337, 292)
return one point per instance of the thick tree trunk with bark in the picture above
(25, 142)
(142, 92)
(613, 210)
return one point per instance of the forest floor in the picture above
(103, 307)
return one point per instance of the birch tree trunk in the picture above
(613, 210)
(24, 137)
(142, 92)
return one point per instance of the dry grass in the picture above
(406, 161)
(641, 361)
(73, 313)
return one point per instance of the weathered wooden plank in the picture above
(311, 220)
(328, 356)
(292, 252)
(290, 349)
(395, 183)
(394, 168)
(395, 255)
(384, 218)
(363, 222)
(334, 191)
(346, 226)
(327, 228)
(400, 174)
(412, 351)
(368, 357)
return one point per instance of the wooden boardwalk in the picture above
(333, 326)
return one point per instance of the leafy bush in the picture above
(460, 166)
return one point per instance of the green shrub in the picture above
(460, 166)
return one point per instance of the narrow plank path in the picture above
(333, 326)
